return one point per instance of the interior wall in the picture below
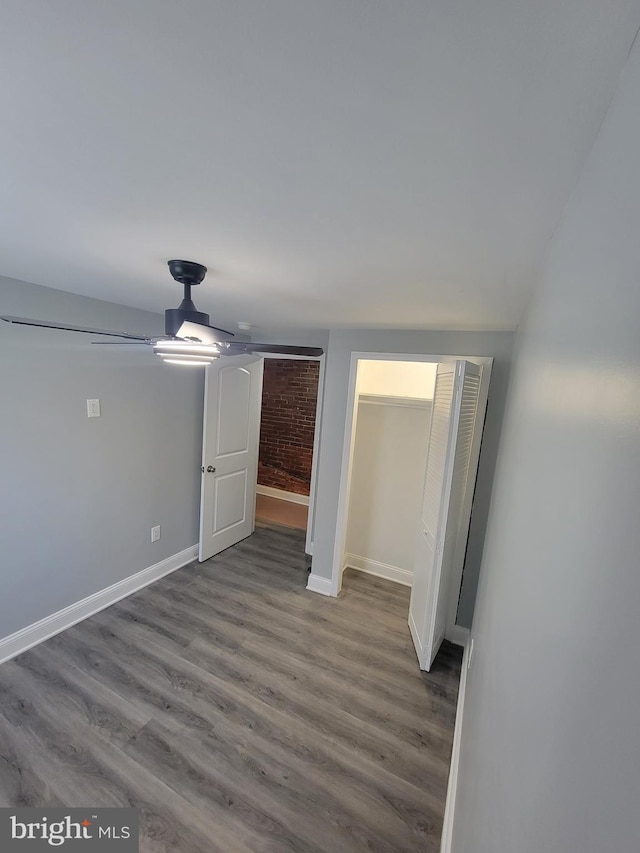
(342, 343)
(387, 479)
(79, 496)
(287, 424)
(412, 379)
(550, 751)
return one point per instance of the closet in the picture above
(415, 432)
(394, 400)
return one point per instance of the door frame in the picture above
(454, 633)
(311, 512)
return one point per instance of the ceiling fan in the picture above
(189, 339)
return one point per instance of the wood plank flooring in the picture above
(239, 712)
(276, 511)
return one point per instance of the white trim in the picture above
(452, 786)
(322, 585)
(346, 467)
(380, 570)
(457, 635)
(26, 638)
(282, 495)
(417, 639)
(315, 455)
(390, 400)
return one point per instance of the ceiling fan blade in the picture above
(68, 327)
(240, 347)
(202, 333)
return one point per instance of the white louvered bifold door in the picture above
(452, 426)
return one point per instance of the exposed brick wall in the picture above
(289, 394)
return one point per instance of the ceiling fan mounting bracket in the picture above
(187, 272)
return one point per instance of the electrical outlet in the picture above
(93, 408)
(155, 533)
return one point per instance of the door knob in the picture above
(211, 469)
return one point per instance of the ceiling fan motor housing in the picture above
(187, 273)
(175, 317)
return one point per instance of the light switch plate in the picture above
(93, 408)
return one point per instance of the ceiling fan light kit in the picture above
(186, 352)
(197, 359)
(185, 361)
(187, 347)
(189, 339)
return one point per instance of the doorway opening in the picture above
(392, 423)
(410, 460)
(287, 437)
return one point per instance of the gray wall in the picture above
(79, 496)
(341, 344)
(550, 752)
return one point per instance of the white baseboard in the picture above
(282, 495)
(457, 635)
(380, 570)
(26, 638)
(452, 786)
(322, 585)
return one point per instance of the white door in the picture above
(230, 436)
(455, 407)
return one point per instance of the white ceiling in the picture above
(333, 162)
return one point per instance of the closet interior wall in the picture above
(392, 431)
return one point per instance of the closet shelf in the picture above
(390, 400)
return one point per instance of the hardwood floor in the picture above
(239, 712)
(275, 511)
